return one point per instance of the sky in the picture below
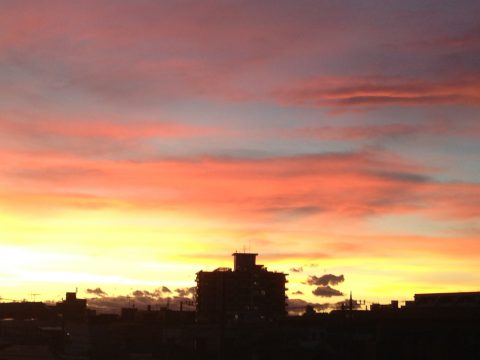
(144, 141)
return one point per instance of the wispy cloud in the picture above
(383, 91)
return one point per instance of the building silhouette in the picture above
(72, 308)
(248, 292)
(446, 300)
(238, 325)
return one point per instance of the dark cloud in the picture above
(324, 280)
(346, 304)
(326, 291)
(297, 269)
(186, 292)
(158, 293)
(402, 176)
(293, 212)
(298, 292)
(109, 304)
(464, 128)
(298, 306)
(97, 292)
(139, 298)
(362, 132)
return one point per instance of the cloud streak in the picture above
(383, 91)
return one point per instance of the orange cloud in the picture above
(348, 185)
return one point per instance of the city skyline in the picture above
(143, 141)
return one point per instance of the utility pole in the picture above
(350, 326)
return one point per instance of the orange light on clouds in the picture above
(141, 142)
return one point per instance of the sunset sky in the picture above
(143, 141)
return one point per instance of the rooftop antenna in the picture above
(34, 296)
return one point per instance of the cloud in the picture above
(97, 292)
(95, 136)
(388, 131)
(326, 291)
(186, 292)
(355, 185)
(109, 304)
(130, 110)
(324, 280)
(139, 298)
(298, 292)
(293, 212)
(134, 60)
(158, 51)
(323, 283)
(166, 289)
(358, 132)
(117, 127)
(345, 304)
(297, 269)
(298, 306)
(140, 293)
(383, 91)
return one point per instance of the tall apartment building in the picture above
(248, 292)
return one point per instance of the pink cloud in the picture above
(381, 91)
(88, 127)
(144, 52)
